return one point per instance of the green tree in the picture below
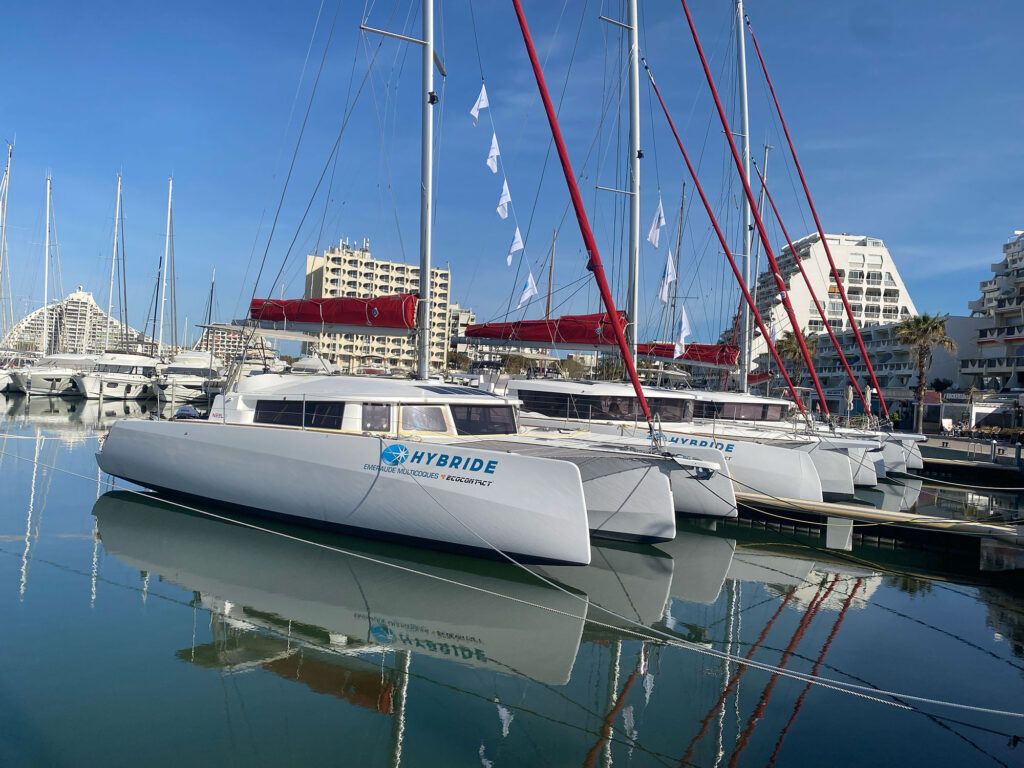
(573, 368)
(788, 348)
(922, 334)
(516, 364)
(458, 361)
(941, 385)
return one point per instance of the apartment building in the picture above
(348, 270)
(867, 271)
(999, 363)
(74, 324)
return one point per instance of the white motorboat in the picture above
(118, 376)
(315, 365)
(353, 453)
(187, 375)
(51, 375)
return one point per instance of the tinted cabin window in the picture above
(324, 415)
(423, 418)
(281, 412)
(484, 419)
(670, 408)
(376, 418)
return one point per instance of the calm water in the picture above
(136, 633)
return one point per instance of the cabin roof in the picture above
(366, 388)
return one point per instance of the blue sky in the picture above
(907, 118)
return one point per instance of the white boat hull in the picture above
(519, 505)
(181, 388)
(754, 467)
(114, 386)
(43, 382)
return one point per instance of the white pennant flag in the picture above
(667, 278)
(503, 202)
(492, 156)
(682, 331)
(654, 233)
(517, 245)
(481, 103)
(530, 289)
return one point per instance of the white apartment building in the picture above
(350, 271)
(460, 318)
(892, 362)
(74, 324)
(999, 363)
(873, 286)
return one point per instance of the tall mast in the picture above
(426, 189)
(3, 243)
(633, 301)
(163, 270)
(748, 230)
(593, 256)
(551, 275)
(46, 273)
(113, 258)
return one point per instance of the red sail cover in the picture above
(713, 354)
(398, 311)
(568, 329)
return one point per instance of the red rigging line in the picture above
(753, 208)
(814, 671)
(814, 298)
(725, 246)
(609, 719)
(594, 263)
(805, 621)
(821, 230)
(733, 682)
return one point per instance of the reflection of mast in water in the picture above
(402, 661)
(48, 464)
(28, 523)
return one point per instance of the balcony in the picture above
(1006, 333)
(991, 365)
(1010, 304)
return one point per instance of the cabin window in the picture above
(324, 415)
(376, 417)
(287, 413)
(484, 419)
(670, 408)
(423, 418)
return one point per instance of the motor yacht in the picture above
(51, 375)
(118, 376)
(187, 376)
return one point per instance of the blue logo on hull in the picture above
(394, 455)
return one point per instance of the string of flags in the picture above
(505, 199)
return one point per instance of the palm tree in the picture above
(788, 348)
(922, 334)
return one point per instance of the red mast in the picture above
(725, 246)
(807, 281)
(753, 208)
(594, 264)
(821, 231)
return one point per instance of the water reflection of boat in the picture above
(346, 603)
(72, 415)
(893, 495)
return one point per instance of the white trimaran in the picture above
(407, 458)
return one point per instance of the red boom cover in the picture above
(398, 311)
(568, 329)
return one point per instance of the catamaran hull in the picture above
(754, 467)
(519, 505)
(628, 494)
